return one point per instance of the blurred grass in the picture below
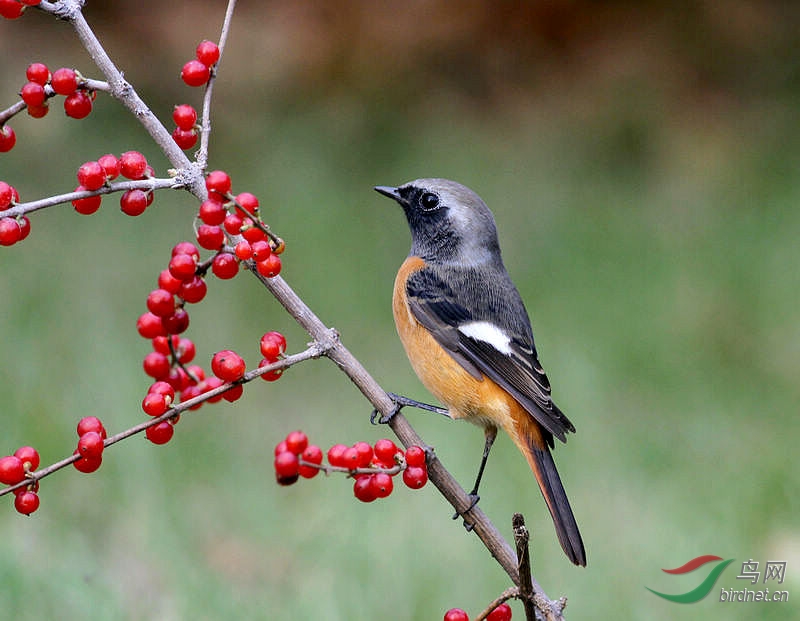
(654, 240)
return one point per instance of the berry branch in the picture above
(231, 227)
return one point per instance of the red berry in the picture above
(156, 365)
(296, 442)
(193, 290)
(182, 266)
(270, 376)
(6, 195)
(184, 138)
(212, 212)
(248, 201)
(186, 247)
(29, 457)
(24, 227)
(243, 250)
(269, 267)
(224, 266)
(185, 116)
(91, 423)
(168, 282)
(415, 456)
(363, 490)
(261, 250)
(38, 112)
(233, 224)
(90, 445)
(12, 470)
(32, 94)
(38, 72)
(218, 181)
(456, 614)
(64, 81)
(195, 73)
(385, 450)
(350, 458)
(186, 351)
(154, 404)
(78, 105)
(228, 365)
(177, 322)
(160, 433)
(273, 344)
(365, 454)
(336, 455)
(195, 373)
(133, 202)
(251, 232)
(10, 233)
(132, 165)
(280, 447)
(149, 326)
(92, 175)
(501, 613)
(233, 394)
(110, 165)
(162, 388)
(313, 455)
(88, 205)
(87, 464)
(207, 52)
(7, 138)
(415, 477)
(210, 237)
(382, 484)
(27, 502)
(161, 344)
(11, 9)
(286, 466)
(161, 303)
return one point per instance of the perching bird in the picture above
(468, 337)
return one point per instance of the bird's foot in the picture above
(474, 498)
(399, 403)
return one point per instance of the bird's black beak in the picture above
(390, 192)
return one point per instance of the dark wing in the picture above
(443, 309)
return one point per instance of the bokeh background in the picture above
(641, 159)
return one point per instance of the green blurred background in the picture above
(641, 160)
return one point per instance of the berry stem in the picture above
(9, 112)
(315, 350)
(205, 117)
(509, 593)
(121, 186)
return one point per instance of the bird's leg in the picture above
(491, 434)
(399, 403)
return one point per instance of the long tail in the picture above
(529, 440)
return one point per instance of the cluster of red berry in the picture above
(41, 85)
(13, 470)
(185, 132)
(12, 9)
(91, 442)
(12, 230)
(500, 613)
(94, 175)
(197, 71)
(372, 467)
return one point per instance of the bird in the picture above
(468, 335)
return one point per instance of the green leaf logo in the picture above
(704, 588)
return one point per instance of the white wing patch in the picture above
(488, 333)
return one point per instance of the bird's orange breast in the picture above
(481, 401)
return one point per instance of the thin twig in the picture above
(521, 540)
(508, 594)
(205, 122)
(121, 186)
(315, 350)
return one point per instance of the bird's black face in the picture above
(428, 217)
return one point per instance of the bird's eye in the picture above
(429, 201)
